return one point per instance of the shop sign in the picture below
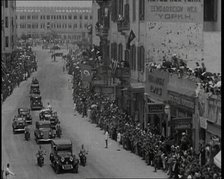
(178, 99)
(203, 122)
(190, 11)
(156, 84)
(155, 108)
(181, 123)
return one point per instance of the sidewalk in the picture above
(119, 163)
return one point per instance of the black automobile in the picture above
(45, 114)
(18, 124)
(62, 157)
(25, 112)
(34, 89)
(35, 102)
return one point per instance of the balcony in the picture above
(123, 25)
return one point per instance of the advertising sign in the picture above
(181, 100)
(155, 108)
(181, 123)
(175, 11)
(156, 84)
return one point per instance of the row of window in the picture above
(43, 26)
(118, 8)
(53, 17)
(117, 54)
(7, 22)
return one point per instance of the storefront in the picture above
(155, 95)
(181, 98)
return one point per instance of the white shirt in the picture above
(106, 135)
(8, 172)
(118, 137)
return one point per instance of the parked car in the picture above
(43, 131)
(35, 102)
(19, 124)
(54, 120)
(25, 112)
(34, 89)
(62, 157)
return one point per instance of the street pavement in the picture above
(56, 88)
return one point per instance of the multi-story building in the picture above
(138, 32)
(8, 27)
(69, 23)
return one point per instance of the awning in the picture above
(217, 160)
(137, 87)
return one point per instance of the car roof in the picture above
(35, 84)
(43, 122)
(23, 109)
(62, 141)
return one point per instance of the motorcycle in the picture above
(40, 160)
(82, 159)
(27, 136)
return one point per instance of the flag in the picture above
(130, 38)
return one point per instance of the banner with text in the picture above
(175, 11)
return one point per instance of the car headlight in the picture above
(49, 132)
(71, 158)
(62, 159)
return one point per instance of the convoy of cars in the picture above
(46, 129)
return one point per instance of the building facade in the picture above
(137, 32)
(69, 23)
(8, 19)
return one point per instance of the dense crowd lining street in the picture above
(55, 89)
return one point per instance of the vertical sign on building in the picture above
(174, 27)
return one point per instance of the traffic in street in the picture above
(56, 89)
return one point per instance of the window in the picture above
(6, 41)
(21, 26)
(54, 17)
(43, 17)
(86, 17)
(210, 10)
(22, 17)
(120, 7)
(114, 10)
(65, 17)
(134, 10)
(80, 25)
(6, 22)
(120, 52)
(69, 26)
(75, 26)
(70, 17)
(90, 17)
(80, 17)
(141, 58)
(126, 12)
(141, 10)
(16, 17)
(65, 25)
(48, 17)
(133, 57)
(6, 4)
(59, 16)
(29, 26)
(28, 17)
(75, 17)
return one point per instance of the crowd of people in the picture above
(177, 158)
(17, 68)
(209, 82)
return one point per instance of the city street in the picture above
(56, 88)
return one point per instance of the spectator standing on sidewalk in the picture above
(106, 138)
(8, 172)
(119, 140)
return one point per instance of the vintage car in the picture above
(35, 102)
(54, 120)
(43, 131)
(62, 157)
(35, 81)
(25, 112)
(45, 114)
(19, 124)
(34, 89)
